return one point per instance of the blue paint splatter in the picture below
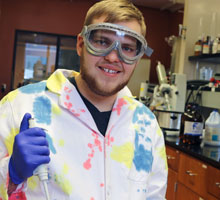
(33, 88)
(140, 110)
(42, 110)
(50, 142)
(147, 139)
(143, 159)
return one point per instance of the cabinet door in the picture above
(172, 158)
(214, 181)
(183, 193)
(192, 173)
(171, 184)
(210, 197)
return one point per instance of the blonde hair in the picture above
(116, 11)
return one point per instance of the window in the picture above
(37, 55)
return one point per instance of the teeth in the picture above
(110, 71)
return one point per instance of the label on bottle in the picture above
(205, 49)
(218, 48)
(193, 128)
(212, 134)
(198, 48)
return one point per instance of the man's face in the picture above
(105, 75)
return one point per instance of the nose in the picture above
(112, 56)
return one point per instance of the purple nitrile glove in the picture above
(29, 151)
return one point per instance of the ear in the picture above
(79, 45)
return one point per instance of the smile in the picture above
(110, 71)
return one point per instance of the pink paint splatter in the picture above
(69, 105)
(108, 138)
(67, 97)
(101, 184)
(96, 145)
(87, 165)
(66, 89)
(121, 102)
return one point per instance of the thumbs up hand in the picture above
(30, 150)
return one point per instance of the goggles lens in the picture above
(101, 39)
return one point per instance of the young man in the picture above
(96, 142)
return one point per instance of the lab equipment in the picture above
(41, 171)
(27, 151)
(169, 100)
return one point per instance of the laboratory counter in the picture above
(205, 153)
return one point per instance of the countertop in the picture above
(205, 153)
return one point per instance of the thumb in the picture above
(25, 122)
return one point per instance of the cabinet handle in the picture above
(217, 184)
(190, 173)
(170, 157)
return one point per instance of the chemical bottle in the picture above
(198, 47)
(218, 47)
(212, 129)
(206, 45)
(215, 46)
(191, 127)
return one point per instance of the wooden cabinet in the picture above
(173, 164)
(190, 178)
(192, 173)
(184, 193)
(172, 158)
(213, 181)
(171, 185)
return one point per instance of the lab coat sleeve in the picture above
(8, 130)
(158, 180)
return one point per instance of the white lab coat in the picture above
(129, 163)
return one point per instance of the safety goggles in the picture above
(101, 39)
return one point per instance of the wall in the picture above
(66, 17)
(198, 20)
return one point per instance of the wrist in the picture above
(14, 178)
(11, 187)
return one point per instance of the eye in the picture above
(101, 42)
(128, 49)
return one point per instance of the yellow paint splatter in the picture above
(3, 115)
(162, 152)
(10, 97)
(32, 182)
(3, 192)
(159, 132)
(64, 183)
(65, 169)
(55, 109)
(9, 141)
(61, 142)
(123, 154)
(56, 81)
(132, 104)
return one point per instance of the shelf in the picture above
(211, 58)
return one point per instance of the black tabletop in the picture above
(203, 152)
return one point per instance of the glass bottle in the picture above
(206, 45)
(198, 47)
(218, 46)
(191, 127)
